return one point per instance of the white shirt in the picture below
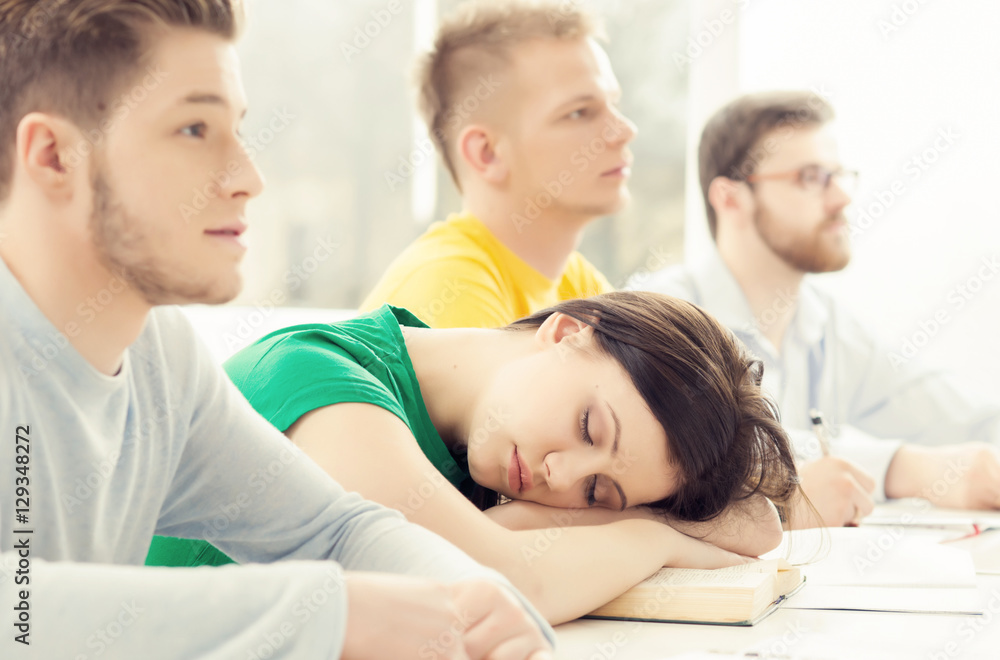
(830, 361)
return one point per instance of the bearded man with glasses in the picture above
(864, 428)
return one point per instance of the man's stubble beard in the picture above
(127, 250)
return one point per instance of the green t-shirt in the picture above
(298, 369)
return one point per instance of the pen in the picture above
(976, 531)
(819, 426)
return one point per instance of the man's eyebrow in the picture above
(575, 100)
(210, 99)
(613, 96)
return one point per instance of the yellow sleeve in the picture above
(446, 293)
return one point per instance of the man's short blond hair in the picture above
(475, 42)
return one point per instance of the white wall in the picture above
(900, 74)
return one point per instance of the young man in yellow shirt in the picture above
(521, 102)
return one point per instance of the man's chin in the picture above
(834, 263)
(611, 207)
(211, 295)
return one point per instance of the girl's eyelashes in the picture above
(584, 427)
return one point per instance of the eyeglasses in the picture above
(813, 178)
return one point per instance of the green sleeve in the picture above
(284, 376)
(168, 551)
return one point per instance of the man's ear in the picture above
(48, 152)
(477, 148)
(729, 197)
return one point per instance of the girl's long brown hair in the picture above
(703, 387)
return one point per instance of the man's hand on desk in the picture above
(963, 476)
(392, 616)
(840, 491)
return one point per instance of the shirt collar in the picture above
(812, 313)
(720, 293)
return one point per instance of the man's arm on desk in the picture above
(964, 476)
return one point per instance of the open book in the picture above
(736, 596)
(890, 569)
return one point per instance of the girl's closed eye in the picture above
(585, 427)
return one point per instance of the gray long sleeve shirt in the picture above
(168, 446)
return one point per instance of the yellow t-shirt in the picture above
(459, 275)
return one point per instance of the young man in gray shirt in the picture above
(117, 424)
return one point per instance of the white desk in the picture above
(805, 634)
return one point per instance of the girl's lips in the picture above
(518, 475)
(514, 472)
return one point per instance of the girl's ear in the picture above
(564, 332)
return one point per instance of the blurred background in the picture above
(914, 83)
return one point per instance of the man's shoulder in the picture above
(444, 246)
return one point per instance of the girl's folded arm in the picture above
(371, 451)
